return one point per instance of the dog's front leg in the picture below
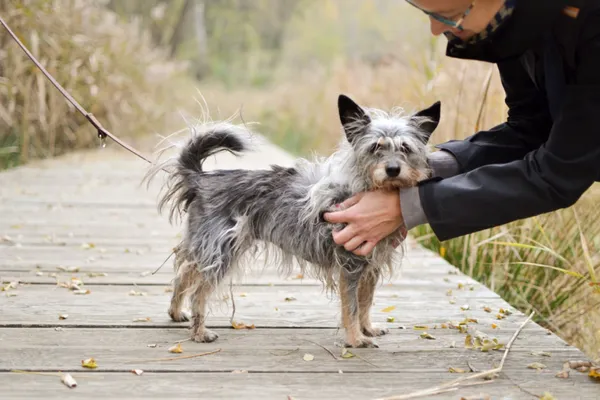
(349, 283)
(366, 291)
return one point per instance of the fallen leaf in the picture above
(390, 319)
(89, 363)
(299, 276)
(308, 357)
(290, 298)
(449, 292)
(547, 396)
(505, 312)
(536, 365)
(68, 380)
(137, 371)
(176, 349)
(453, 344)
(142, 319)
(465, 307)
(389, 309)
(152, 345)
(39, 273)
(487, 309)
(243, 295)
(88, 246)
(500, 316)
(594, 372)
(9, 286)
(444, 326)
(63, 316)
(346, 353)
(494, 326)
(82, 291)
(241, 325)
(420, 327)
(426, 335)
(481, 396)
(145, 273)
(481, 341)
(136, 293)
(562, 374)
(541, 353)
(452, 301)
(460, 286)
(96, 274)
(457, 370)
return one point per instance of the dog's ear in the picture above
(428, 119)
(353, 117)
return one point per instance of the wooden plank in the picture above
(264, 306)
(264, 350)
(426, 282)
(278, 386)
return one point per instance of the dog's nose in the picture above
(392, 170)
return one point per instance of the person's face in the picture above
(473, 16)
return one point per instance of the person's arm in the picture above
(526, 128)
(551, 177)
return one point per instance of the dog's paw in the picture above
(363, 342)
(374, 331)
(179, 316)
(205, 336)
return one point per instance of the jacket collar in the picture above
(530, 21)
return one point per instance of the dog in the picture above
(230, 212)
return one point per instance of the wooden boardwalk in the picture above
(85, 219)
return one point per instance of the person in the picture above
(543, 158)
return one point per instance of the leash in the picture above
(102, 132)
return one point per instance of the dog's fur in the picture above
(229, 212)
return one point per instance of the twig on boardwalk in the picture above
(164, 262)
(323, 347)
(175, 358)
(232, 301)
(456, 384)
(59, 374)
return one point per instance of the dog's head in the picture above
(390, 148)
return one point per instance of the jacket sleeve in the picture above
(529, 182)
(526, 128)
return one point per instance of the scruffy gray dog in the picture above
(231, 212)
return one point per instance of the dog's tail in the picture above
(186, 167)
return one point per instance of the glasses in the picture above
(457, 24)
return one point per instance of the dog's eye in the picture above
(406, 149)
(374, 147)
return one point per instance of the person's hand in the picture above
(370, 217)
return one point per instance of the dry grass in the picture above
(110, 68)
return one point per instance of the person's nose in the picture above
(437, 28)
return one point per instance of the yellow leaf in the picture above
(241, 325)
(426, 335)
(494, 326)
(457, 370)
(594, 372)
(290, 298)
(419, 327)
(460, 286)
(390, 319)
(444, 326)
(389, 309)
(87, 246)
(449, 292)
(536, 365)
(82, 291)
(547, 396)
(487, 309)
(500, 316)
(442, 252)
(346, 353)
(176, 349)
(308, 357)
(243, 295)
(299, 276)
(89, 363)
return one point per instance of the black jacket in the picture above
(547, 153)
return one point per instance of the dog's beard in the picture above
(409, 177)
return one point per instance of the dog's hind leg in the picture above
(349, 285)
(187, 273)
(366, 291)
